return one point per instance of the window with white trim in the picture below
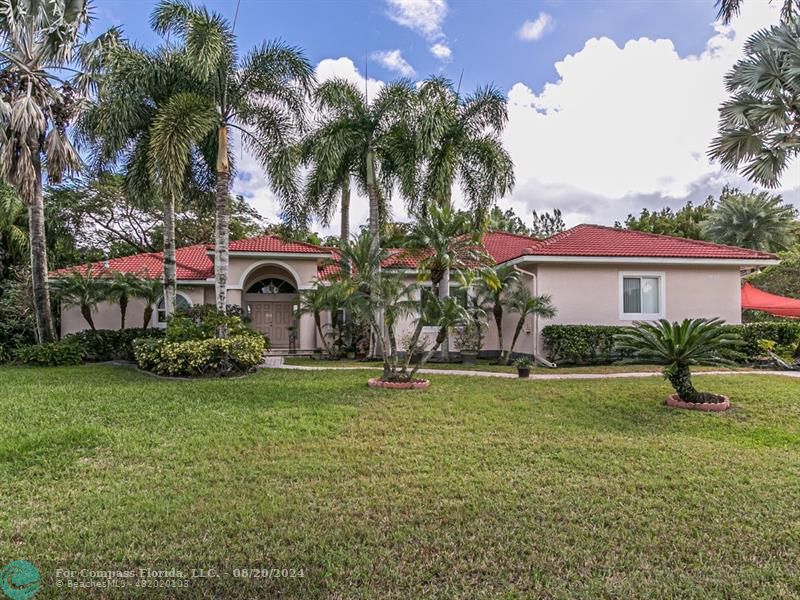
(641, 295)
(181, 301)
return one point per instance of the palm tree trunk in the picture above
(123, 310)
(170, 280)
(222, 226)
(681, 379)
(444, 292)
(148, 314)
(497, 311)
(440, 337)
(318, 323)
(517, 331)
(374, 224)
(38, 247)
(344, 234)
(86, 311)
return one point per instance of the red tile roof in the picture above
(503, 246)
(192, 263)
(271, 243)
(597, 240)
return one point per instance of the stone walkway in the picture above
(535, 377)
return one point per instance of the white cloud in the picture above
(441, 51)
(423, 16)
(626, 127)
(534, 30)
(394, 61)
(345, 68)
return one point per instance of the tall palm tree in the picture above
(728, 9)
(371, 139)
(83, 289)
(39, 41)
(261, 96)
(757, 220)
(759, 127)
(495, 287)
(150, 120)
(525, 304)
(460, 141)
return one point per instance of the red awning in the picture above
(756, 299)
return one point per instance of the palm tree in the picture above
(759, 126)
(757, 220)
(373, 141)
(525, 304)
(261, 96)
(83, 289)
(495, 286)
(120, 288)
(460, 141)
(679, 346)
(13, 230)
(150, 120)
(315, 301)
(151, 291)
(728, 9)
(445, 314)
(39, 41)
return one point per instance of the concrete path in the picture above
(535, 377)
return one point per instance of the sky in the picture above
(612, 103)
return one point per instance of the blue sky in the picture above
(612, 102)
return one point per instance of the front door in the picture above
(274, 320)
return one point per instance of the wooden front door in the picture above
(273, 319)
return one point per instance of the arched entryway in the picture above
(270, 296)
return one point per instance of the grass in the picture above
(488, 365)
(471, 489)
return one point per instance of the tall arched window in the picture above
(272, 285)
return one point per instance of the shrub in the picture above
(54, 354)
(582, 344)
(201, 322)
(594, 344)
(111, 344)
(209, 357)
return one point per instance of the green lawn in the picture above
(474, 488)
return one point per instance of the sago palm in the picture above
(524, 304)
(39, 42)
(678, 347)
(759, 129)
(261, 96)
(760, 221)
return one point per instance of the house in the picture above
(594, 275)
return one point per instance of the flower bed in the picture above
(675, 402)
(416, 384)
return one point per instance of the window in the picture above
(272, 285)
(641, 295)
(181, 302)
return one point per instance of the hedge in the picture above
(111, 344)
(594, 344)
(210, 357)
(54, 354)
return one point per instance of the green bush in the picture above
(111, 344)
(210, 357)
(202, 322)
(594, 344)
(54, 354)
(581, 344)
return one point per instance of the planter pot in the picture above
(524, 373)
(469, 358)
(675, 402)
(417, 384)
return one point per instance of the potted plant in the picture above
(523, 365)
(678, 347)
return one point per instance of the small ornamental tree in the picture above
(678, 347)
(84, 290)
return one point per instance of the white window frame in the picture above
(662, 296)
(157, 312)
